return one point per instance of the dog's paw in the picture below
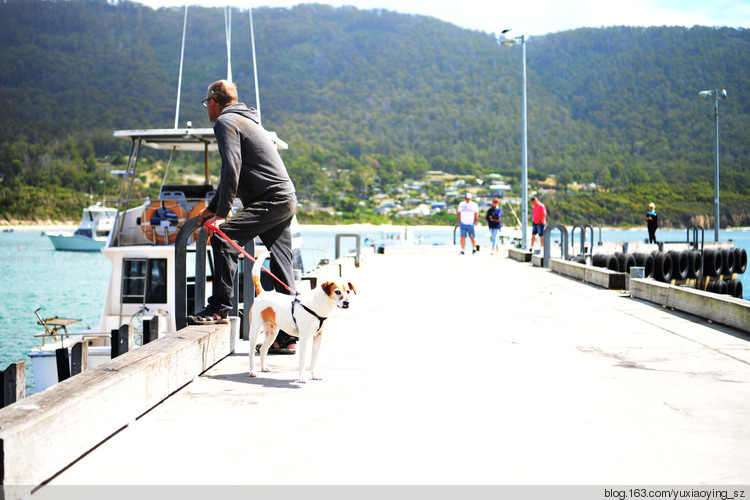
(301, 381)
(266, 370)
(253, 374)
(315, 377)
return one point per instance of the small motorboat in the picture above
(92, 233)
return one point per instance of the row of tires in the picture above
(665, 266)
(731, 287)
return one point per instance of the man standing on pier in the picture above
(468, 214)
(252, 170)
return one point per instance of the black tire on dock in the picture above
(611, 263)
(721, 287)
(712, 262)
(727, 256)
(625, 261)
(679, 264)
(596, 260)
(695, 264)
(646, 261)
(734, 288)
(662, 267)
(740, 260)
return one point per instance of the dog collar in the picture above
(297, 301)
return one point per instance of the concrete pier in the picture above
(471, 369)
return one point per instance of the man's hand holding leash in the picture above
(206, 216)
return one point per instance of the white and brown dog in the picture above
(300, 316)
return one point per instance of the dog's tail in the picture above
(256, 271)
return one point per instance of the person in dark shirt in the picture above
(652, 222)
(494, 222)
(251, 170)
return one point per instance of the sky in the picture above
(533, 17)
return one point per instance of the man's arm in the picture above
(230, 149)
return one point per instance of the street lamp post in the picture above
(524, 158)
(717, 94)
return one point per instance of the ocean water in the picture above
(72, 284)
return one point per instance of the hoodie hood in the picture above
(240, 109)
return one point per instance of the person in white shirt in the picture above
(468, 214)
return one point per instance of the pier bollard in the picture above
(79, 358)
(63, 364)
(120, 340)
(150, 329)
(13, 383)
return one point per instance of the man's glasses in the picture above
(205, 101)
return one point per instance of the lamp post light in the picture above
(717, 94)
(524, 159)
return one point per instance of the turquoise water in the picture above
(33, 274)
(73, 284)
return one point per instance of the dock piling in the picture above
(120, 340)
(63, 364)
(150, 329)
(79, 358)
(13, 382)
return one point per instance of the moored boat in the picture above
(92, 233)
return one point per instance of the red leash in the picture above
(243, 252)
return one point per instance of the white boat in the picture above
(92, 233)
(142, 252)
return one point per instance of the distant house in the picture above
(499, 188)
(421, 210)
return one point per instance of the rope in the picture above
(243, 252)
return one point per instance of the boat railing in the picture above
(199, 295)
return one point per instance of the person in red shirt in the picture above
(538, 220)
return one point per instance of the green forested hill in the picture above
(382, 96)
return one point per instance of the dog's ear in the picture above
(328, 287)
(351, 288)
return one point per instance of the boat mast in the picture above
(228, 33)
(255, 68)
(179, 82)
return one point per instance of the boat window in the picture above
(84, 232)
(157, 281)
(144, 281)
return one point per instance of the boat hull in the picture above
(44, 363)
(75, 243)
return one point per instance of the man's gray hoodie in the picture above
(251, 167)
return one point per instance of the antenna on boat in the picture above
(179, 83)
(228, 32)
(255, 68)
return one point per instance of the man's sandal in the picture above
(206, 317)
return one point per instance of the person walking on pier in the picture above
(494, 222)
(252, 170)
(538, 220)
(468, 215)
(652, 222)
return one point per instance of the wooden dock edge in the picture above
(722, 309)
(600, 276)
(49, 430)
